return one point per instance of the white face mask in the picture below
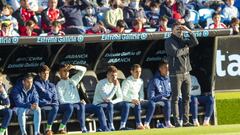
(89, 11)
(134, 5)
(155, 10)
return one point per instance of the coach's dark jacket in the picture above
(178, 54)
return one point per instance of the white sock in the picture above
(112, 126)
(195, 121)
(122, 125)
(146, 123)
(138, 124)
(181, 122)
(206, 120)
(168, 123)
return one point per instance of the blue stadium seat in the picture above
(205, 13)
(194, 16)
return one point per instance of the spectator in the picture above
(103, 6)
(235, 25)
(25, 101)
(176, 11)
(217, 24)
(5, 111)
(163, 25)
(32, 29)
(137, 26)
(134, 11)
(23, 15)
(105, 90)
(89, 19)
(7, 15)
(120, 28)
(69, 99)
(237, 4)
(48, 100)
(98, 28)
(7, 29)
(56, 29)
(153, 15)
(72, 12)
(229, 11)
(159, 90)
(113, 15)
(42, 5)
(51, 14)
(177, 50)
(133, 97)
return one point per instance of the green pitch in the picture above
(211, 130)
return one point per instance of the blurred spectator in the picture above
(56, 29)
(42, 5)
(217, 24)
(7, 30)
(235, 25)
(72, 12)
(7, 15)
(153, 16)
(176, 11)
(138, 26)
(98, 28)
(32, 29)
(120, 28)
(163, 25)
(134, 11)
(237, 4)
(50, 15)
(89, 19)
(229, 11)
(103, 6)
(23, 15)
(113, 14)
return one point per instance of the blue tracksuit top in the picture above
(23, 99)
(46, 91)
(159, 87)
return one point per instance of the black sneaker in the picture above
(188, 124)
(177, 124)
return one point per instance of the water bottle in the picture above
(158, 124)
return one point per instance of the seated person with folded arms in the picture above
(48, 100)
(25, 100)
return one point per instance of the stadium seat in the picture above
(205, 13)
(194, 16)
(88, 85)
(146, 76)
(121, 76)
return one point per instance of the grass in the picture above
(228, 105)
(211, 130)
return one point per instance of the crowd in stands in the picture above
(60, 17)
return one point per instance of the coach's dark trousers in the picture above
(181, 86)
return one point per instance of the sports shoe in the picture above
(126, 128)
(196, 124)
(206, 124)
(147, 127)
(62, 131)
(141, 127)
(49, 132)
(188, 124)
(177, 124)
(169, 126)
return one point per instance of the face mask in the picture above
(89, 11)
(134, 5)
(155, 10)
(115, 6)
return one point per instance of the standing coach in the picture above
(177, 49)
